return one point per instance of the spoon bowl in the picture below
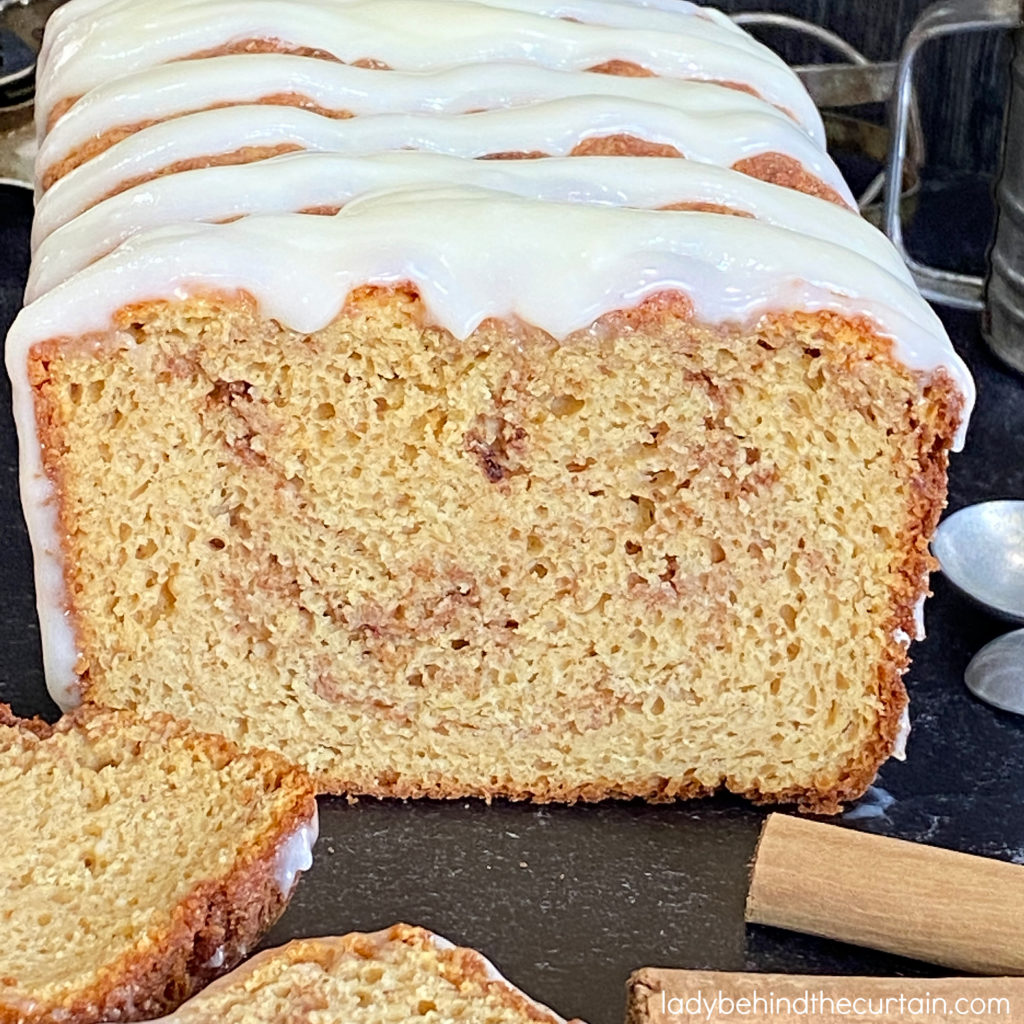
(996, 673)
(981, 551)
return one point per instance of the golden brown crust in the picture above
(257, 45)
(533, 154)
(460, 966)
(780, 169)
(926, 502)
(622, 68)
(242, 155)
(100, 143)
(49, 434)
(217, 923)
(702, 207)
(623, 145)
(223, 918)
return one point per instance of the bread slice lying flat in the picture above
(139, 861)
(399, 974)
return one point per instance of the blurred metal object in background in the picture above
(1003, 319)
(17, 145)
(21, 33)
(856, 82)
(1006, 282)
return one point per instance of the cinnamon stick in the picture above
(918, 901)
(658, 996)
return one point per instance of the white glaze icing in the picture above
(919, 628)
(875, 803)
(300, 181)
(217, 960)
(590, 9)
(715, 135)
(38, 501)
(169, 90)
(899, 750)
(295, 854)
(473, 254)
(80, 53)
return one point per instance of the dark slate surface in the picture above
(568, 900)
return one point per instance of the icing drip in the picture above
(919, 628)
(217, 960)
(875, 803)
(714, 135)
(734, 269)
(80, 53)
(303, 181)
(295, 855)
(170, 90)
(899, 750)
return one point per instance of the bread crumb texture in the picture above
(384, 978)
(651, 559)
(139, 862)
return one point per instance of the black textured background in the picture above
(568, 900)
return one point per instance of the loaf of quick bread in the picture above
(604, 473)
(140, 861)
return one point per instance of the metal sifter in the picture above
(1000, 295)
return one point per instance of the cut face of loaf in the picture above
(401, 974)
(140, 861)
(651, 560)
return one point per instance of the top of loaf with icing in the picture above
(324, 180)
(717, 135)
(171, 90)
(90, 42)
(474, 254)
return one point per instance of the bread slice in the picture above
(400, 974)
(88, 44)
(592, 502)
(322, 183)
(574, 126)
(140, 861)
(123, 106)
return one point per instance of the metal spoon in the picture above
(981, 551)
(996, 673)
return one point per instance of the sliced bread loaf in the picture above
(140, 861)
(595, 502)
(401, 973)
